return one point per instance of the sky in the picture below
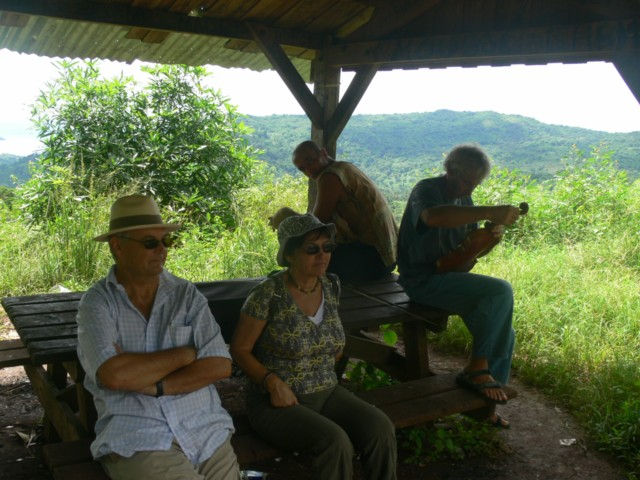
(591, 95)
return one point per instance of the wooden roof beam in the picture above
(390, 16)
(628, 67)
(592, 41)
(349, 102)
(153, 19)
(287, 71)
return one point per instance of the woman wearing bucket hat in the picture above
(287, 342)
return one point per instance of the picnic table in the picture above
(48, 339)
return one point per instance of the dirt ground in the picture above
(532, 448)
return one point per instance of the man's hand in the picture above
(503, 214)
(280, 393)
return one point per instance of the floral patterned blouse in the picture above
(300, 352)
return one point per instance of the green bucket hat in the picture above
(298, 226)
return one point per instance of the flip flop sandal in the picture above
(464, 380)
(500, 422)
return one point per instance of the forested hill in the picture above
(14, 166)
(396, 149)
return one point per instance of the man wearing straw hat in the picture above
(151, 351)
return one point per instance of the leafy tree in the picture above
(173, 138)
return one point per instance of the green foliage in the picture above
(174, 138)
(454, 438)
(364, 376)
(588, 199)
(63, 253)
(250, 249)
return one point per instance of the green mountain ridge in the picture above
(423, 138)
(397, 149)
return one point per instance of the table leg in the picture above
(415, 349)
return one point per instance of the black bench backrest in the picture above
(226, 298)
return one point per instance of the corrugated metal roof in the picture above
(66, 38)
(62, 37)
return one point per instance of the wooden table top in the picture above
(46, 323)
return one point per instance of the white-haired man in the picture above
(151, 351)
(438, 217)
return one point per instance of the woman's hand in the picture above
(280, 393)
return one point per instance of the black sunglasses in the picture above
(314, 248)
(152, 243)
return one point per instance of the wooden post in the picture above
(415, 349)
(326, 89)
(628, 67)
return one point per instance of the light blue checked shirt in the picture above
(129, 422)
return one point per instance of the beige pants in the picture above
(173, 464)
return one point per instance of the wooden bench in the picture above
(407, 404)
(13, 353)
(46, 325)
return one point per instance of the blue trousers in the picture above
(486, 307)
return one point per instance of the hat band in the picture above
(134, 221)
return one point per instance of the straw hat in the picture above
(134, 212)
(298, 226)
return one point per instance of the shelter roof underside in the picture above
(349, 33)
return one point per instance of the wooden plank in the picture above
(43, 320)
(12, 344)
(80, 471)
(382, 314)
(390, 16)
(41, 298)
(154, 19)
(14, 357)
(426, 409)
(66, 330)
(402, 392)
(629, 69)
(414, 335)
(368, 350)
(228, 289)
(15, 311)
(588, 41)
(287, 71)
(59, 414)
(52, 351)
(351, 98)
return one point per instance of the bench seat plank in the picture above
(49, 332)
(47, 298)
(43, 320)
(15, 311)
(13, 353)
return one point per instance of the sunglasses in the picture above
(152, 243)
(314, 248)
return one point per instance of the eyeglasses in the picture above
(152, 243)
(314, 248)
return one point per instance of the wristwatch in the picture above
(159, 389)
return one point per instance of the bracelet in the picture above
(159, 389)
(264, 379)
